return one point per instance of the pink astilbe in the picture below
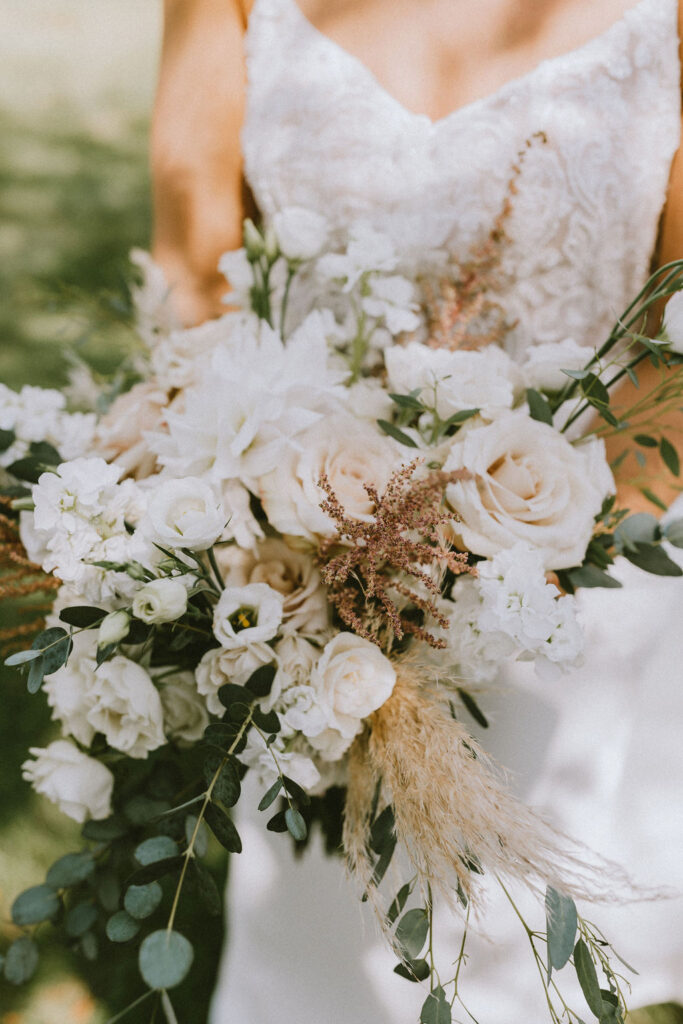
(403, 540)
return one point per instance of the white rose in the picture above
(79, 785)
(544, 364)
(453, 381)
(301, 233)
(126, 708)
(296, 658)
(162, 600)
(247, 615)
(353, 678)
(350, 453)
(185, 513)
(68, 689)
(673, 321)
(528, 484)
(220, 666)
(185, 714)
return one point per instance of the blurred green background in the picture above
(76, 87)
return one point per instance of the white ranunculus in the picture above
(544, 364)
(452, 381)
(301, 233)
(220, 666)
(185, 513)
(247, 615)
(162, 600)
(68, 689)
(79, 785)
(527, 484)
(126, 707)
(185, 714)
(673, 321)
(350, 453)
(353, 678)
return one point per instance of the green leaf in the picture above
(21, 961)
(460, 417)
(231, 694)
(473, 708)
(89, 946)
(142, 900)
(155, 849)
(70, 869)
(295, 791)
(21, 657)
(588, 979)
(296, 825)
(561, 923)
(165, 959)
(47, 453)
(7, 439)
(34, 905)
(277, 823)
(36, 674)
(641, 528)
(407, 402)
(207, 889)
(157, 869)
(436, 1009)
(28, 469)
(201, 837)
(674, 533)
(413, 970)
(384, 861)
(222, 734)
(654, 559)
(270, 796)
(80, 919)
(105, 830)
(398, 903)
(121, 927)
(670, 456)
(55, 644)
(223, 829)
(227, 786)
(594, 391)
(576, 374)
(266, 721)
(108, 891)
(590, 576)
(382, 831)
(411, 932)
(141, 809)
(260, 682)
(651, 496)
(645, 441)
(398, 435)
(539, 407)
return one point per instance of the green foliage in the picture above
(295, 824)
(561, 925)
(412, 931)
(413, 970)
(121, 927)
(39, 903)
(436, 1008)
(223, 829)
(224, 772)
(473, 708)
(165, 959)
(539, 407)
(155, 849)
(140, 901)
(21, 961)
(80, 919)
(71, 869)
(588, 978)
(396, 433)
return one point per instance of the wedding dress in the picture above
(598, 751)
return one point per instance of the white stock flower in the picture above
(453, 381)
(185, 714)
(79, 785)
(673, 321)
(126, 707)
(239, 274)
(393, 300)
(161, 600)
(155, 315)
(352, 678)
(294, 759)
(68, 689)
(367, 251)
(247, 615)
(39, 414)
(301, 233)
(527, 484)
(220, 666)
(544, 364)
(184, 513)
(350, 453)
(476, 653)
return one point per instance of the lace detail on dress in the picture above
(322, 132)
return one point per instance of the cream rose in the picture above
(528, 484)
(185, 714)
(126, 707)
(220, 666)
(247, 615)
(185, 513)
(79, 785)
(352, 679)
(162, 600)
(350, 453)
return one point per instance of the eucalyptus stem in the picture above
(291, 274)
(131, 1006)
(211, 555)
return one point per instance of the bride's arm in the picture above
(195, 154)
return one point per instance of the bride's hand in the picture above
(196, 157)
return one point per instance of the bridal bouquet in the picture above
(298, 546)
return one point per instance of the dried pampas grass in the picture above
(453, 813)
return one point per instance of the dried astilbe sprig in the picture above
(20, 579)
(452, 810)
(404, 536)
(459, 309)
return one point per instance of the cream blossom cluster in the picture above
(39, 415)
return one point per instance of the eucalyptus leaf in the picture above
(277, 823)
(590, 576)
(141, 809)
(267, 721)
(106, 830)
(21, 961)
(576, 374)
(539, 407)
(207, 889)
(670, 456)
(39, 903)
(222, 772)
(55, 644)
(561, 924)
(36, 674)
(28, 469)
(384, 861)
(295, 791)
(436, 1008)
(80, 919)
(155, 849)
(140, 901)
(413, 970)
(396, 433)
(21, 657)
(270, 796)
(89, 946)
(411, 931)
(296, 824)
(201, 836)
(165, 959)
(382, 830)
(588, 979)
(7, 439)
(654, 559)
(674, 533)
(83, 616)
(473, 708)
(260, 682)
(70, 869)
(45, 452)
(641, 528)
(231, 694)
(157, 869)
(398, 903)
(223, 829)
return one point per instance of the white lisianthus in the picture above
(453, 381)
(529, 484)
(301, 233)
(352, 678)
(184, 513)
(544, 364)
(80, 786)
(185, 714)
(673, 321)
(294, 575)
(68, 689)
(113, 628)
(247, 615)
(350, 453)
(126, 707)
(220, 666)
(162, 600)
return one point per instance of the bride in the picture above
(412, 115)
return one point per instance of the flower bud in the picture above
(162, 600)
(113, 628)
(272, 247)
(253, 241)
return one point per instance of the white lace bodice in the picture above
(322, 132)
